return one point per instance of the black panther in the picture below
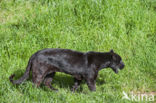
(82, 66)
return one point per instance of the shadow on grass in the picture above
(61, 80)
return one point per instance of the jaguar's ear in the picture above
(112, 54)
(111, 51)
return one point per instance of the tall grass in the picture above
(127, 26)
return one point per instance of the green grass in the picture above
(126, 26)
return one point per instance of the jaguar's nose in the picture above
(122, 65)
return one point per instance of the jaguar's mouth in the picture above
(117, 70)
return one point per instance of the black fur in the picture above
(45, 63)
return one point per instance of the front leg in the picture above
(91, 84)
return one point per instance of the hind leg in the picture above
(48, 79)
(37, 79)
(38, 73)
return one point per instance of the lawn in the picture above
(126, 26)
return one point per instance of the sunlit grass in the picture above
(128, 27)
